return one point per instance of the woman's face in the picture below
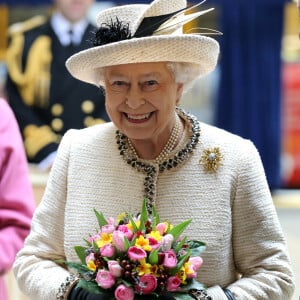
(141, 99)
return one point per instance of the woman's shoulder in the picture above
(209, 131)
(213, 136)
(101, 133)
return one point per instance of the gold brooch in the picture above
(211, 159)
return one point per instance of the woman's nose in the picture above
(134, 97)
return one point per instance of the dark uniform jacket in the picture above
(46, 99)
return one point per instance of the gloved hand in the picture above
(81, 294)
(168, 296)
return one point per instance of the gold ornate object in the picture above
(37, 137)
(87, 106)
(57, 109)
(57, 124)
(211, 159)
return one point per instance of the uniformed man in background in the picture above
(46, 99)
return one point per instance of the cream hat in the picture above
(154, 34)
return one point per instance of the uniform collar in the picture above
(62, 27)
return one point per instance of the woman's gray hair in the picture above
(182, 72)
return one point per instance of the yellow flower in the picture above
(143, 243)
(121, 216)
(168, 226)
(188, 268)
(184, 271)
(155, 234)
(137, 223)
(144, 268)
(91, 265)
(182, 275)
(106, 238)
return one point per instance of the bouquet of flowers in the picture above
(139, 257)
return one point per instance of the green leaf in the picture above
(153, 257)
(126, 244)
(135, 229)
(90, 286)
(196, 247)
(80, 268)
(128, 284)
(132, 243)
(144, 216)
(101, 219)
(178, 229)
(95, 246)
(182, 296)
(183, 293)
(89, 244)
(179, 245)
(193, 284)
(155, 218)
(180, 263)
(80, 251)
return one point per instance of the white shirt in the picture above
(62, 27)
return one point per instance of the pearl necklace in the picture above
(150, 171)
(168, 148)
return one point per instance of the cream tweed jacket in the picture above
(231, 209)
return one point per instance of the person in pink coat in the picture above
(16, 196)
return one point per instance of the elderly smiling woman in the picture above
(156, 151)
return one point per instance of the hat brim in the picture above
(196, 49)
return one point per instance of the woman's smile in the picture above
(138, 118)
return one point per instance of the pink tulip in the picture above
(123, 292)
(147, 284)
(166, 242)
(153, 243)
(118, 240)
(127, 232)
(107, 250)
(170, 259)
(161, 227)
(94, 237)
(173, 283)
(111, 221)
(105, 279)
(196, 261)
(91, 256)
(136, 253)
(108, 228)
(114, 268)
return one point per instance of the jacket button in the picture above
(57, 109)
(57, 124)
(87, 106)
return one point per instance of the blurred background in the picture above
(254, 92)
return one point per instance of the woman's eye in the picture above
(119, 85)
(150, 85)
(151, 82)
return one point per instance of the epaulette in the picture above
(33, 79)
(29, 24)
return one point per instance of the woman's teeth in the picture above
(139, 117)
